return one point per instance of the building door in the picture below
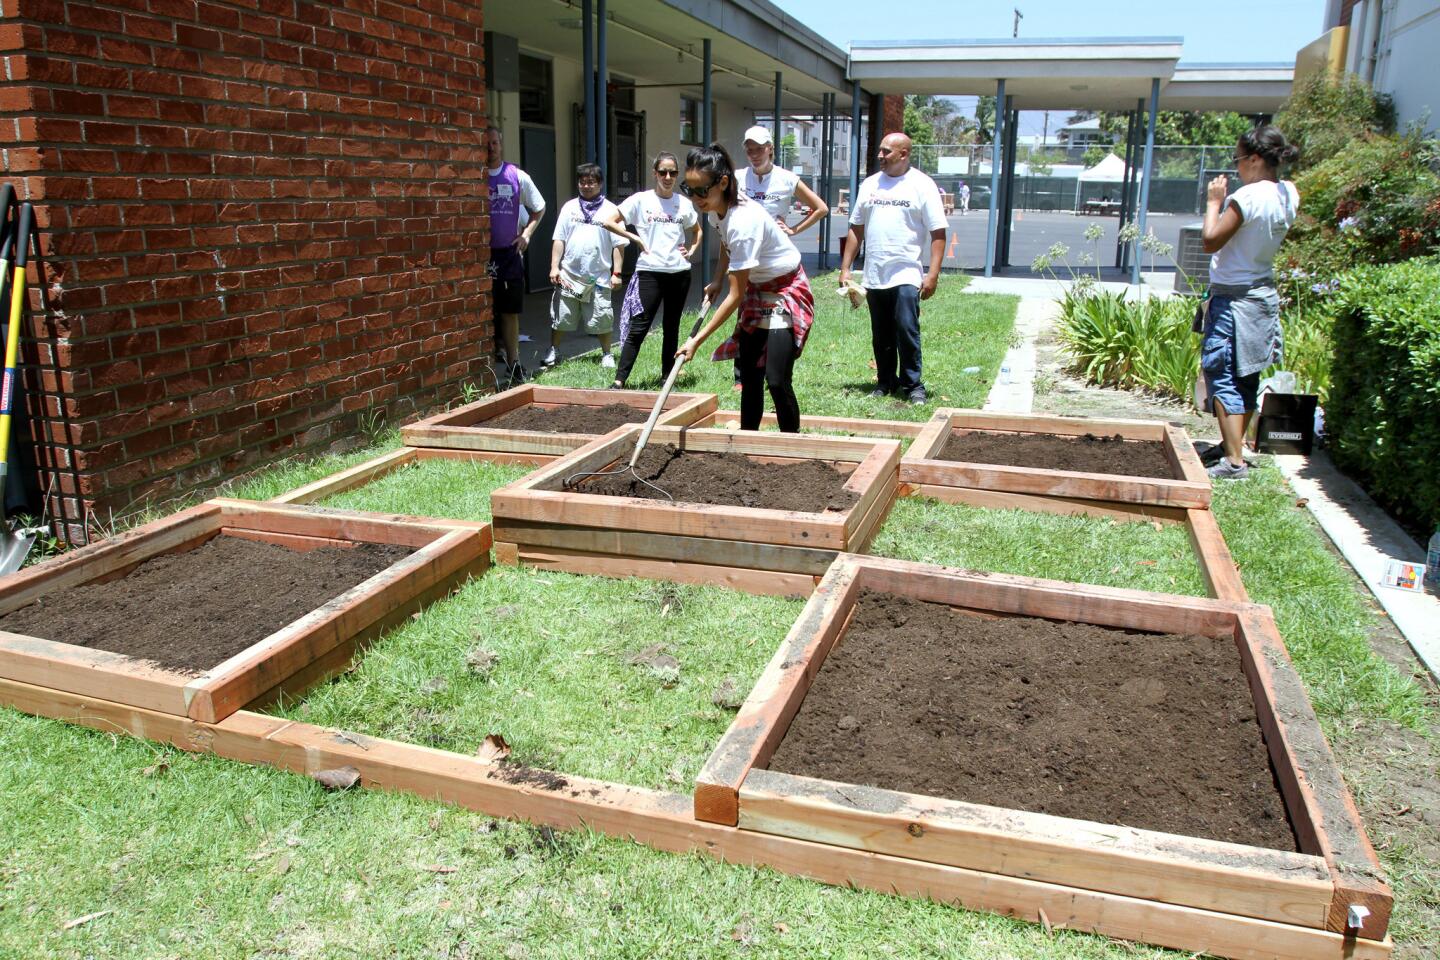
(537, 158)
(628, 170)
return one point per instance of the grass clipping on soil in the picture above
(191, 611)
(728, 479)
(1151, 731)
(1085, 454)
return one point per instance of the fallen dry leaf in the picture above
(86, 919)
(341, 778)
(481, 660)
(1144, 563)
(440, 868)
(1045, 921)
(744, 932)
(1302, 501)
(781, 926)
(282, 866)
(494, 749)
(1159, 527)
(156, 768)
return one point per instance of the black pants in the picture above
(895, 336)
(656, 290)
(779, 349)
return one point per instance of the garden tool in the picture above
(15, 543)
(575, 479)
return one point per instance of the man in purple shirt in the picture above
(513, 195)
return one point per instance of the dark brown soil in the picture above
(1144, 730)
(728, 479)
(191, 611)
(1087, 454)
(570, 418)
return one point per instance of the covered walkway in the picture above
(1139, 75)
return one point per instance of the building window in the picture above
(536, 91)
(689, 120)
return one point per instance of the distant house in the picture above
(1083, 134)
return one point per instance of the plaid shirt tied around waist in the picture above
(790, 293)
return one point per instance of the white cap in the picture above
(758, 134)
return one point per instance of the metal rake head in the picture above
(575, 479)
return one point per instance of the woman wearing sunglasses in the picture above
(668, 228)
(767, 286)
(1242, 314)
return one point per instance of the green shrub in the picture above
(1325, 114)
(1383, 417)
(1131, 343)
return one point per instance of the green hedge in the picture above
(1383, 415)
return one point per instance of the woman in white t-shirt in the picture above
(767, 286)
(1242, 314)
(668, 227)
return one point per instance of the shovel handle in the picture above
(665, 391)
(7, 236)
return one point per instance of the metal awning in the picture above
(1106, 73)
(1242, 87)
(660, 41)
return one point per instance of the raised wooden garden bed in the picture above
(853, 426)
(1333, 881)
(757, 550)
(352, 478)
(444, 554)
(465, 428)
(922, 471)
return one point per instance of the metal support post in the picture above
(775, 122)
(992, 222)
(1144, 204)
(602, 93)
(705, 137)
(854, 148)
(587, 19)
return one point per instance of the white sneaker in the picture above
(607, 361)
(551, 358)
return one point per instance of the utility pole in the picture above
(1018, 17)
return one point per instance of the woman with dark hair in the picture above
(1242, 313)
(668, 227)
(767, 286)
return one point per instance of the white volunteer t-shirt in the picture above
(1267, 209)
(663, 224)
(588, 246)
(755, 242)
(530, 198)
(775, 191)
(898, 214)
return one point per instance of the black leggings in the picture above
(779, 348)
(655, 289)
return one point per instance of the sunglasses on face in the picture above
(698, 193)
(667, 173)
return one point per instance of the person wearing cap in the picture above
(894, 212)
(774, 188)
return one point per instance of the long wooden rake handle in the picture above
(665, 391)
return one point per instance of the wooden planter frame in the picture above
(464, 427)
(351, 478)
(1337, 873)
(889, 429)
(664, 821)
(994, 485)
(316, 645)
(759, 551)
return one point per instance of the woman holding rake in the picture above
(767, 286)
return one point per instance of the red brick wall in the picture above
(265, 221)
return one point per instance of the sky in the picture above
(1214, 31)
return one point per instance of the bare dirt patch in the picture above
(1146, 730)
(191, 611)
(1084, 454)
(570, 418)
(729, 479)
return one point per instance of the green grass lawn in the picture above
(188, 856)
(835, 374)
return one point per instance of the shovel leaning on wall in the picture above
(15, 542)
